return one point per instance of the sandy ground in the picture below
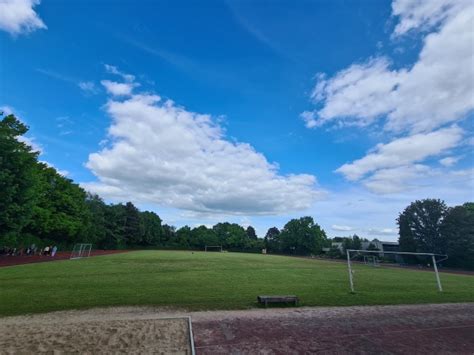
(414, 329)
(108, 331)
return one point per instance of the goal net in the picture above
(371, 258)
(81, 250)
(213, 248)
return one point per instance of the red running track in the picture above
(6, 260)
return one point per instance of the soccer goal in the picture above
(371, 260)
(213, 248)
(81, 250)
(354, 252)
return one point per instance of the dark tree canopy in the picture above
(420, 226)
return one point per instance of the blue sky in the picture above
(249, 111)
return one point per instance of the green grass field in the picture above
(203, 281)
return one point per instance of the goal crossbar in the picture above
(81, 250)
(360, 251)
(212, 246)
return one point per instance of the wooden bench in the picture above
(277, 299)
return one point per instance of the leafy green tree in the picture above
(132, 225)
(60, 213)
(251, 234)
(302, 236)
(202, 236)
(458, 230)
(151, 229)
(169, 233)
(271, 240)
(419, 226)
(95, 229)
(183, 237)
(18, 180)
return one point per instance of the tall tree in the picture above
(302, 236)
(151, 230)
(251, 234)
(458, 230)
(420, 224)
(60, 213)
(132, 225)
(18, 180)
(271, 240)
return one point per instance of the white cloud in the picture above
(118, 89)
(449, 161)
(18, 16)
(399, 179)
(337, 227)
(163, 154)
(416, 14)
(436, 90)
(111, 69)
(88, 87)
(382, 231)
(403, 151)
(7, 110)
(36, 147)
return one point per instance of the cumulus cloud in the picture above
(118, 89)
(403, 151)
(163, 154)
(18, 16)
(437, 89)
(418, 105)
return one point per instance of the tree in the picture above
(150, 228)
(251, 234)
(183, 236)
(271, 240)
(458, 230)
(18, 180)
(60, 213)
(202, 236)
(419, 226)
(302, 236)
(132, 225)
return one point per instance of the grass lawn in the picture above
(202, 281)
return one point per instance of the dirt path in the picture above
(420, 329)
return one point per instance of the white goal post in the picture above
(81, 250)
(358, 251)
(213, 246)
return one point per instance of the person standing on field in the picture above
(54, 250)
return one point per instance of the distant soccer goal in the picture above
(81, 250)
(372, 259)
(213, 248)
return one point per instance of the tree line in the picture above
(39, 205)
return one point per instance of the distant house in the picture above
(383, 247)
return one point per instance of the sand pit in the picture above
(79, 333)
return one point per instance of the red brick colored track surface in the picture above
(420, 329)
(28, 259)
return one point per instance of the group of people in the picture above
(48, 250)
